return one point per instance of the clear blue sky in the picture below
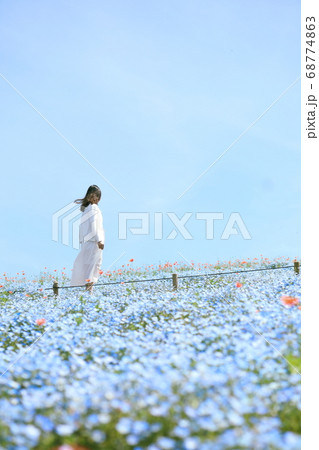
(151, 93)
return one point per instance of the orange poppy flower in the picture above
(289, 301)
(40, 322)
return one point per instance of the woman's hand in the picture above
(101, 246)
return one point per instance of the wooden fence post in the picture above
(296, 267)
(175, 281)
(56, 288)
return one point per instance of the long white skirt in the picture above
(87, 264)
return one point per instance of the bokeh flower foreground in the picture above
(213, 365)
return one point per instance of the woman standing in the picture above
(87, 264)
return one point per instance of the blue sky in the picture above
(151, 93)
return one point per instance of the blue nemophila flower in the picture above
(44, 423)
(165, 443)
(181, 432)
(191, 443)
(65, 429)
(192, 369)
(124, 425)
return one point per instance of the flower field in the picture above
(213, 365)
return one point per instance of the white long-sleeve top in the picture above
(91, 225)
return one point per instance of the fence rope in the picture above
(167, 278)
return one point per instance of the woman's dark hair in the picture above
(92, 195)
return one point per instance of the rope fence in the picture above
(175, 278)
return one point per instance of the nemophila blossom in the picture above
(197, 368)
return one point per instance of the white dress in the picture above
(88, 262)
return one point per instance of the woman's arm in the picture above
(99, 228)
(98, 225)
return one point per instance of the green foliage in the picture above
(294, 365)
(290, 417)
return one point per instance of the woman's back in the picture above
(91, 226)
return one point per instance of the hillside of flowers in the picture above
(214, 364)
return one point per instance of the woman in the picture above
(87, 264)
